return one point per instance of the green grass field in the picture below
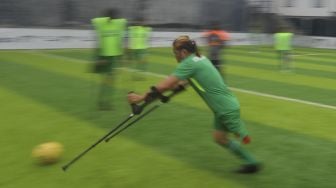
(49, 95)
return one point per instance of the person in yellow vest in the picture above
(110, 31)
(283, 46)
(138, 43)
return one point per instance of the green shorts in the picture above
(138, 54)
(105, 64)
(230, 122)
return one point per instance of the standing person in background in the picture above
(216, 39)
(138, 43)
(110, 31)
(283, 46)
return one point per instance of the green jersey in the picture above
(138, 37)
(208, 83)
(282, 41)
(110, 35)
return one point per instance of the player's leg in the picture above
(136, 64)
(103, 101)
(221, 67)
(133, 63)
(101, 67)
(287, 60)
(250, 163)
(280, 59)
(106, 91)
(221, 138)
(226, 124)
(141, 64)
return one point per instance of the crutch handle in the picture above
(137, 109)
(177, 90)
(153, 95)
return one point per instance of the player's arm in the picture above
(179, 76)
(169, 83)
(183, 83)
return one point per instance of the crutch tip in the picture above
(64, 168)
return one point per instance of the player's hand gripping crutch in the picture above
(136, 110)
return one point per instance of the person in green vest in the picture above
(283, 46)
(198, 71)
(138, 43)
(110, 31)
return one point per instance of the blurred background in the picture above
(309, 17)
(48, 93)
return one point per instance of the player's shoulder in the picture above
(193, 59)
(197, 58)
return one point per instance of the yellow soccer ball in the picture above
(47, 153)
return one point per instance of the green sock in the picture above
(241, 152)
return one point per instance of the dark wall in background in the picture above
(160, 13)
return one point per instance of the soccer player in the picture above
(283, 46)
(216, 39)
(198, 71)
(110, 32)
(138, 38)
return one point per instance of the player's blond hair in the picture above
(184, 42)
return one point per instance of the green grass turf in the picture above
(49, 95)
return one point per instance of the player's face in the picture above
(178, 54)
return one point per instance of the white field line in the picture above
(232, 88)
(284, 98)
(306, 54)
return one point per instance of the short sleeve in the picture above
(184, 70)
